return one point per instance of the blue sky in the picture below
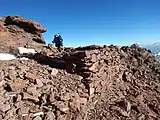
(85, 22)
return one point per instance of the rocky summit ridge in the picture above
(84, 83)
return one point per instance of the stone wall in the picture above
(97, 65)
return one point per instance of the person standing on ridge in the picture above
(58, 41)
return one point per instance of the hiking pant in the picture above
(58, 47)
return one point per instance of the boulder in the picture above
(2, 28)
(28, 25)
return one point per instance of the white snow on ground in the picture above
(23, 58)
(157, 54)
(6, 56)
(23, 50)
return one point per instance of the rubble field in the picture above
(84, 83)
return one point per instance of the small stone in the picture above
(66, 96)
(23, 111)
(79, 100)
(73, 105)
(45, 71)
(31, 77)
(124, 113)
(80, 77)
(93, 68)
(83, 100)
(11, 68)
(98, 87)
(94, 58)
(4, 107)
(52, 97)
(32, 90)
(142, 117)
(1, 117)
(39, 82)
(18, 84)
(50, 116)
(19, 104)
(9, 114)
(128, 106)
(54, 72)
(37, 118)
(121, 111)
(2, 99)
(19, 98)
(26, 118)
(12, 76)
(34, 109)
(3, 82)
(91, 91)
(64, 109)
(27, 96)
(38, 114)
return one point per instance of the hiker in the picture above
(58, 41)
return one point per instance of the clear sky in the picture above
(85, 22)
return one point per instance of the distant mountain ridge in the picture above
(155, 48)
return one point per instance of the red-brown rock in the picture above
(28, 25)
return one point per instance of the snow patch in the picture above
(23, 58)
(23, 50)
(157, 54)
(6, 56)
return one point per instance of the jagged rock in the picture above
(19, 98)
(79, 100)
(38, 38)
(16, 31)
(18, 84)
(4, 107)
(38, 114)
(94, 58)
(39, 82)
(26, 118)
(62, 106)
(50, 116)
(2, 28)
(33, 91)
(28, 25)
(93, 68)
(3, 82)
(54, 72)
(91, 91)
(23, 110)
(31, 77)
(37, 118)
(27, 96)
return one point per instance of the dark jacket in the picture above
(58, 41)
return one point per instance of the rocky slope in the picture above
(85, 83)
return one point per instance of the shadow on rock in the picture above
(52, 62)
